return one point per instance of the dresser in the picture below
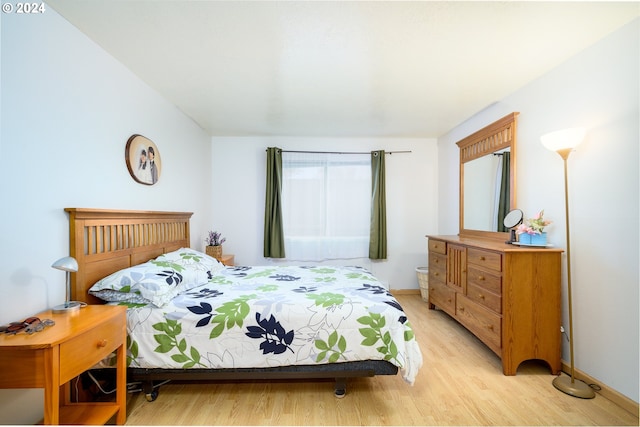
(508, 296)
(50, 359)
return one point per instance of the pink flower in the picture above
(534, 225)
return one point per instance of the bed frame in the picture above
(104, 241)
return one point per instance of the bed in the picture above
(202, 320)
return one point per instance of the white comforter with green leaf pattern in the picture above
(248, 317)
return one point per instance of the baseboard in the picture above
(405, 291)
(604, 390)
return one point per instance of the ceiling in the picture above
(340, 68)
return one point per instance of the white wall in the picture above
(599, 90)
(239, 166)
(67, 111)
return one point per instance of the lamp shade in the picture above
(66, 264)
(566, 139)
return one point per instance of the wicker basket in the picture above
(423, 281)
(214, 251)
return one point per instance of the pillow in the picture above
(154, 284)
(196, 267)
(158, 281)
(110, 295)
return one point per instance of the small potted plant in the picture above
(531, 232)
(214, 241)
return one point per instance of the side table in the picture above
(228, 260)
(51, 358)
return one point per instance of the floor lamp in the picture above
(563, 142)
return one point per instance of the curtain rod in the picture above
(341, 152)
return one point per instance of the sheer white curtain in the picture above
(326, 205)
(496, 195)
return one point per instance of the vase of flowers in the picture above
(531, 232)
(214, 241)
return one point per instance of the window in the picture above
(326, 205)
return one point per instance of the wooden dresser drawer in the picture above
(442, 297)
(437, 267)
(486, 259)
(482, 322)
(437, 246)
(482, 297)
(88, 349)
(484, 279)
(437, 276)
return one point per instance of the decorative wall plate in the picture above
(143, 160)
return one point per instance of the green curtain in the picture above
(273, 231)
(504, 204)
(378, 231)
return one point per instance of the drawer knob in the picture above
(102, 343)
(462, 309)
(480, 277)
(480, 296)
(490, 327)
(482, 258)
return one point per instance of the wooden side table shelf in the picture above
(51, 358)
(228, 260)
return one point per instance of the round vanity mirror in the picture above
(511, 221)
(513, 218)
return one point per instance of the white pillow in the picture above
(197, 267)
(158, 281)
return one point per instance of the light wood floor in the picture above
(460, 383)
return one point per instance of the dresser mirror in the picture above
(487, 179)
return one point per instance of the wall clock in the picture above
(143, 160)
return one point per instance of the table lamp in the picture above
(68, 265)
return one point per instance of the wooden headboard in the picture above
(104, 241)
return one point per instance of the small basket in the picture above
(423, 281)
(214, 251)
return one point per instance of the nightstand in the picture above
(227, 260)
(51, 358)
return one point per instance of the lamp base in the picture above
(575, 388)
(67, 307)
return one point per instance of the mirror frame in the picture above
(497, 136)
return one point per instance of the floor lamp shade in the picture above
(563, 142)
(68, 265)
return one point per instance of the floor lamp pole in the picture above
(570, 385)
